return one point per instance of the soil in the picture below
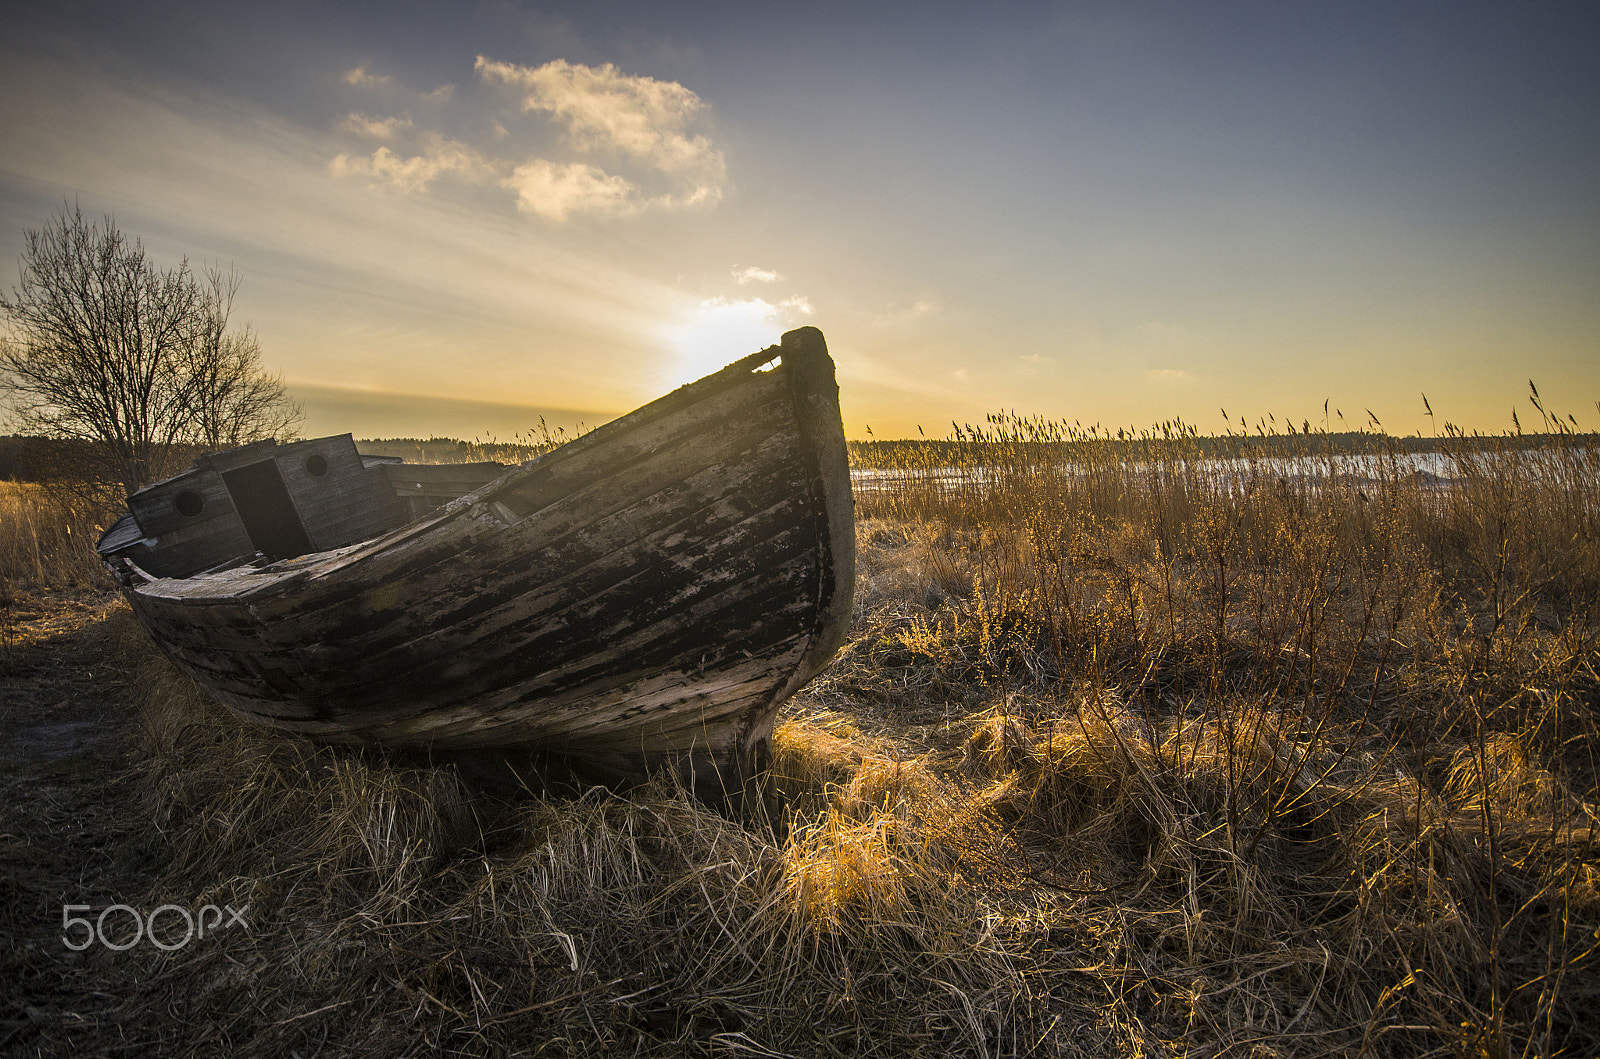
(70, 828)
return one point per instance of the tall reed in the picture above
(47, 538)
(1280, 632)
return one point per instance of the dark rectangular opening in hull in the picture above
(269, 516)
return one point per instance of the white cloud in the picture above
(642, 120)
(361, 77)
(632, 138)
(375, 128)
(346, 286)
(754, 274)
(1031, 363)
(554, 190)
(899, 314)
(799, 304)
(1167, 374)
(439, 156)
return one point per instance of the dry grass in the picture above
(1134, 751)
(47, 542)
(47, 539)
(398, 910)
(1315, 735)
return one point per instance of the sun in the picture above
(719, 331)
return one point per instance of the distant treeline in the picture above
(453, 450)
(25, 458)
(28, 458)
(36, 459)
(928, 452)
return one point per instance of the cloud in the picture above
(439, 157)
(418, 293)
(361, 78)
(375, 128)
(604, 107)
(1167, 374)
(639, 120)
(754, 274)
(553, 190)
(1031, 363)
(799, 304)
(899, 314)
(629, 143)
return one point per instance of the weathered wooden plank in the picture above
(765, 404)
(500, 688)
(408, 578)
(571, 553)
(532, 564)
(430, 479)
(631, 625)
(584, 712)
(425, 672)
(747, 410)
(657, 586)
(526, 583)
(621, 709)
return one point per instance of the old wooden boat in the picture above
(650, 592)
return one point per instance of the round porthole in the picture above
(316, 466)
(189, 503)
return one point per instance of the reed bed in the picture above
(1331, 705)
(1141, 746)
(47, 538)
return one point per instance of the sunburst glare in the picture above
(719, 331)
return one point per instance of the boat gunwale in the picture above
(277, 578)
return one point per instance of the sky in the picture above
(455, 218)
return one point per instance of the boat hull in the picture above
(651, 592)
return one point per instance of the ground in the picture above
(66, 806)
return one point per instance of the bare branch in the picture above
(105, 346)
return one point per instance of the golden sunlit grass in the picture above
(1321, 725)
(47, 538)
(1145, 746)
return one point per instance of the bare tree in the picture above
(235, 400)
(106, 347)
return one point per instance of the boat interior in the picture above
(268, 502)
